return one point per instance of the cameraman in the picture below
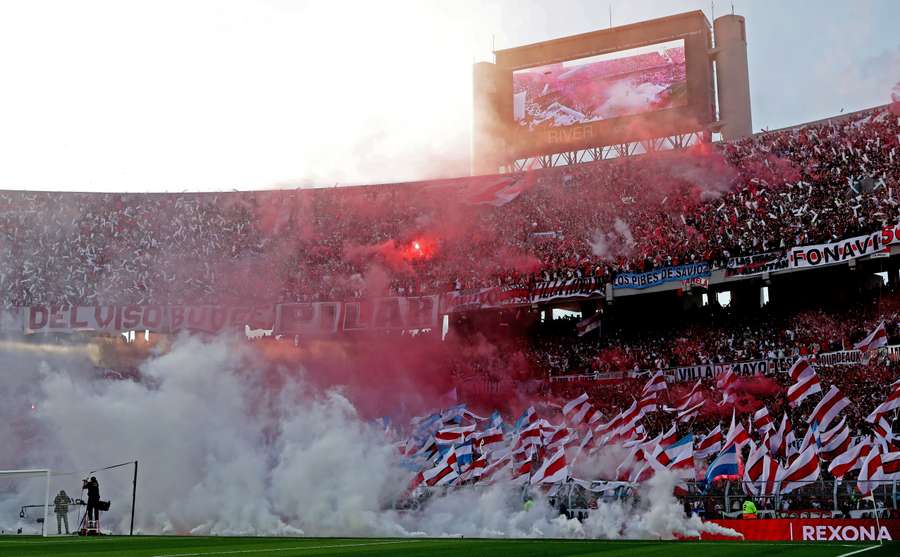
(93, 501)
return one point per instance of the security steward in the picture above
(749, 510)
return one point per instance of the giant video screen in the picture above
(623, 83)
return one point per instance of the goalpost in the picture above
(34, 473)
(118, 484)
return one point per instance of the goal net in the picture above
(17, 486)
(50, 502)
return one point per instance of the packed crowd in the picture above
(713, 335)
(632, 428)
(717, 335)
(767, 192)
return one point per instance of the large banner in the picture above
(811, 530)
(661, 276)
(208, 319)
(841, 357)
(392, 314)
(312, 319)
(517, 295)
(304, 319)
(485, 298)
(707, 371)
(752, 265)
(833, 253)
(817, 255)
(567, 289)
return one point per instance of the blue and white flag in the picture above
(726, 464)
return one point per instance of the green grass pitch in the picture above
(174, 546)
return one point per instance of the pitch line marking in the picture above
(298, 548)
(858, 551)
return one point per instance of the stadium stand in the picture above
(768, 192)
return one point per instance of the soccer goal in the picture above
(53, 502)
(34, 483)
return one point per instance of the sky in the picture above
(200, 95)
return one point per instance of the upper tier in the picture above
(823, 181)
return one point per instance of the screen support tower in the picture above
(606, 152)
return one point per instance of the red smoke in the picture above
(401, 376)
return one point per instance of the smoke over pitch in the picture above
(229, 443)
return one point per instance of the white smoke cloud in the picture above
(655, 514)
(709, 173)
(228, 445)
(600, 464)
(617, 242)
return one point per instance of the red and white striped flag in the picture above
(629, 418)
(532, 435)
(600, 430)
(633, 460)
(521, 468)
(710, 445)
(803, 388)
(580, 411)
(883, 432)
(762, 421)
(587, 414)
(763, 471)
(829, 407)
(690, 399)
(454, 434)
(484, 439)
(849, 460)
(558, 438)
(444, 472)
(801, 369)
(725, 381)
(771, 471)
(691, 412)
(474, 471)
(753, 469)
(874, 340)
(890, 465)
(782, 442)
(678, 458)
(890, 404)
(647, 403)
(870, 472)
(553, 470)
(776, 439)
(493, 467)
(802, 471)
(571, 406)
(655, 384)
(669, 437)
(737, 435)
(835, 442)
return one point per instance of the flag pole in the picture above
(877, 522)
